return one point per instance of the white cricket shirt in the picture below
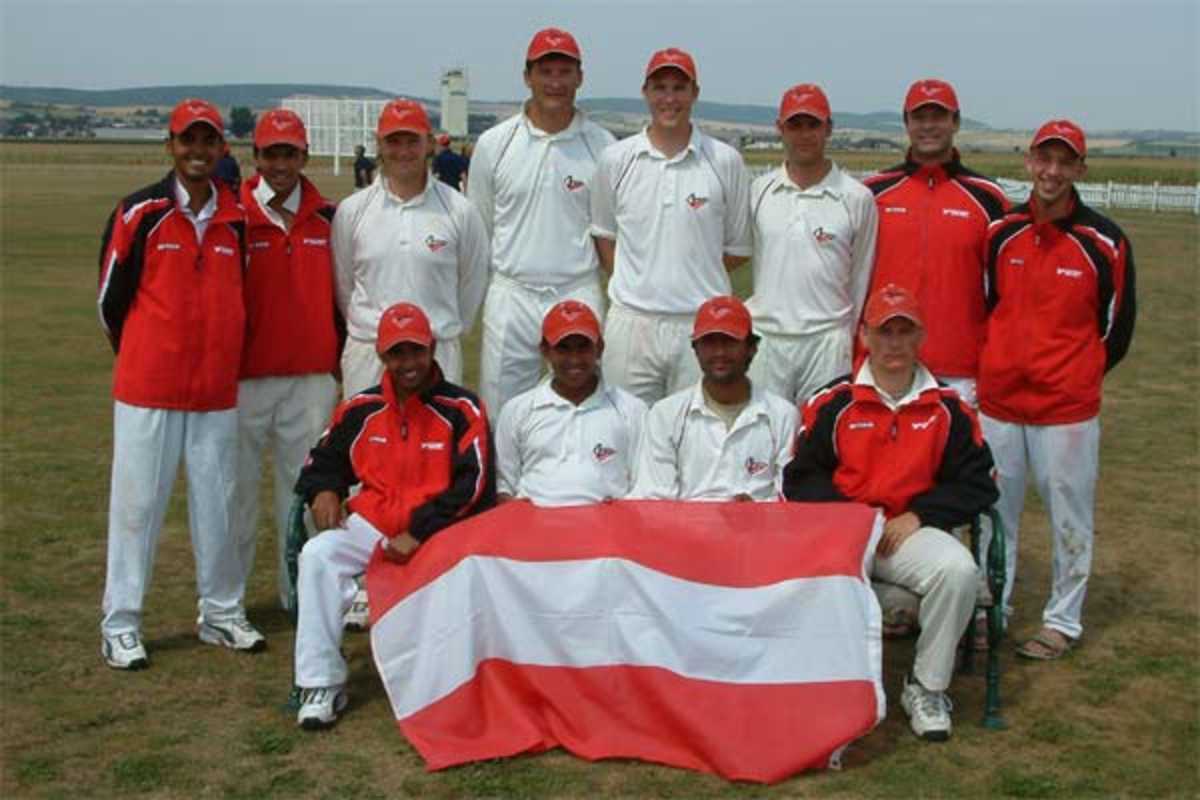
(673, 220)
(814, 250)
(687, 453)
(533, 190)
(556, 453)
(431, 250)
(207, 211)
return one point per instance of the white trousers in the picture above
(936, 567)
(510, 362)
(148, 444)
(1065, 461)
(325, 589)
(649, 355)
(362, 369)
(794, 367)
(289, 413)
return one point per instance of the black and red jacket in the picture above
(928, 456)
(292, 325)
(172, 305)
(423, 465)
(1062, 305)
(932, 224)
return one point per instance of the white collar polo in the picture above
(264, 194)
(207, 212)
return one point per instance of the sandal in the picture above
(1048, 645)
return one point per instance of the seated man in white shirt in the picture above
(723, 438)
(571, 439)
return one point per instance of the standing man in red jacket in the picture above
(933, 216)
(1061, 301)
(171, 304)
(287, 390)
(421, 449)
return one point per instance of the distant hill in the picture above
(255, 95)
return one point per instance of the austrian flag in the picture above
(741, 639)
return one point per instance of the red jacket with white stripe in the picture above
(932, 223)
(172, 305)
(423, 465)
(928, 456)
(292, 326)
(1062, 305)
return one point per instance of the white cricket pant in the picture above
(649, 355)
(964, 386)
(795, 367)
(510, 361)
(1065, 461)
(362, 369)
(325, 589)
(936, 567)
(148, 444)
(289, 413)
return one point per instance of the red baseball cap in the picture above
(552, 40)
(403, 322)
(570, 317)
(930, 91)
(892, 301)
(188, 112)
(402, 115)
(672, 57)
(443, 139)
(804, 98)
(280, 126)
(722, 314)
(1064, 131)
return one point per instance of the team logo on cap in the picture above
(696, 202)
(755, 467)
(572, 184)
(930, 89)
(197, 107)
(434, 244)
(603, 453)
(554, 40)
(823, 236)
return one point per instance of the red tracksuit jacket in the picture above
(422, 465)
(1062, 305)
(172, 305)
(932, 223)
(928, 456)
(292, 325)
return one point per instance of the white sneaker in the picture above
(320, 706)
(237, 634)
(358, 618)
(124, 651)
(928, 712)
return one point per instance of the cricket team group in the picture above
(913, 342)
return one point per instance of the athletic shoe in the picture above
(358, 618)
(236, 633)
(928, 712)
(320, 706)
(124, 651)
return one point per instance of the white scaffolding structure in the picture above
(336, 125)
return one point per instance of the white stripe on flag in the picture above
(616, 612)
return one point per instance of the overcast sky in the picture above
(1104, 63)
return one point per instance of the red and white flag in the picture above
(741, 639)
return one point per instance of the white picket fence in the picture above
(1153, 197)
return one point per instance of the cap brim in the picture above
(553, 51)
(1054, 137)
(939, 103)
(675, 67)
(590, 335)
(200, 121)
(732, 334)
(382, 348)
(808, 112)
(892, 315)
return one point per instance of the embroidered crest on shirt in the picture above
(434, 243)
(572, 183)
(696, 202)
(603, 453)
(823, 236)
(754, 467)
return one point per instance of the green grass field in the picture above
(1119, 717)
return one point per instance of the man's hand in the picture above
(400, 548)
(327, 511)
(743, 498)
(895, 531)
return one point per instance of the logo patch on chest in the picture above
(1017, 262)
(1068, 272)
(755, 467)
(603, 453)
(572, 184)
(861, 426)
(377, 439)
(433, 445)
(315, 242)
(823, 236)
(222, 250)
(960, 213)
(696, 202)
(895, 210)
(262, 244)
(920, 426)
(434, 243)
(168, 246)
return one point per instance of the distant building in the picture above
(454, 102)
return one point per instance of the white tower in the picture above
(454, 101)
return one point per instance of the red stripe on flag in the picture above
(725, 544)
(739, 731)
